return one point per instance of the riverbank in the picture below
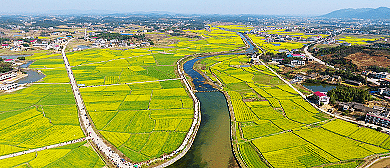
(190, 137)
(191, 88)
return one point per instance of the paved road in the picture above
(309, 55)
(376, 160)
(86, 123)
(42, 148)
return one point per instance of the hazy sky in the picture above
(269, 7)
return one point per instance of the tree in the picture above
(348, 94)
(5, 67)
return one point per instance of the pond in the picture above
(83, 47)
(319, 87)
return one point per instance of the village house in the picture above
(325, 77)
(384, 91)
(380, 118)
(297, 63)
(334, 78)
(8, 75)
(322, 98)
(381, 75)
(5, 45)
(9, 60)
(313, 76)
(8, 86)
(384, 81)
(354, 106)
(296, 56)
(352, 82)
(18, 42)
(277, 60)
(366, 73)
(284, 51)
(42, 45)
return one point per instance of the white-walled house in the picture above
(8, 85)
(322, 98)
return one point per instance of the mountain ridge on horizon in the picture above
(360, 13)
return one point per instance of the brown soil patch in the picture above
(364, 60)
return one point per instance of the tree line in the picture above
(348, 94)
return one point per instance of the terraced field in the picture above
(275, 126)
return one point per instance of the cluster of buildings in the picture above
(6, 85)
(376, 115)
(19, 45)
(380, 118)
(298, 59)
(376, 75)
(104, 43)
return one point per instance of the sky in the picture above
(262, 7)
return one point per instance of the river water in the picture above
(33, 76)
(13, 56)
(197, 79)
(212, 145)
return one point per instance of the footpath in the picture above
(86, 123)
(42, 148)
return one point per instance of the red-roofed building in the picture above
(5, 45)
(322, 98)
(9, 60)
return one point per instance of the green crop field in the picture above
(138, 105)
(275, 119)
(41, 120)
(74, 155)
(142, 104)
(250, 156)
(356, 40)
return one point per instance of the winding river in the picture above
(212, 145)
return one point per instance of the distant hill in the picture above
(361, 13)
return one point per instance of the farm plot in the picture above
(250, 156)
(141, 111)
(297, 113)
(30, 127)
(277, 125)
(74, 155)
(336, 144)
(241, 111)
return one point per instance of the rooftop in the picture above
(319, 94)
